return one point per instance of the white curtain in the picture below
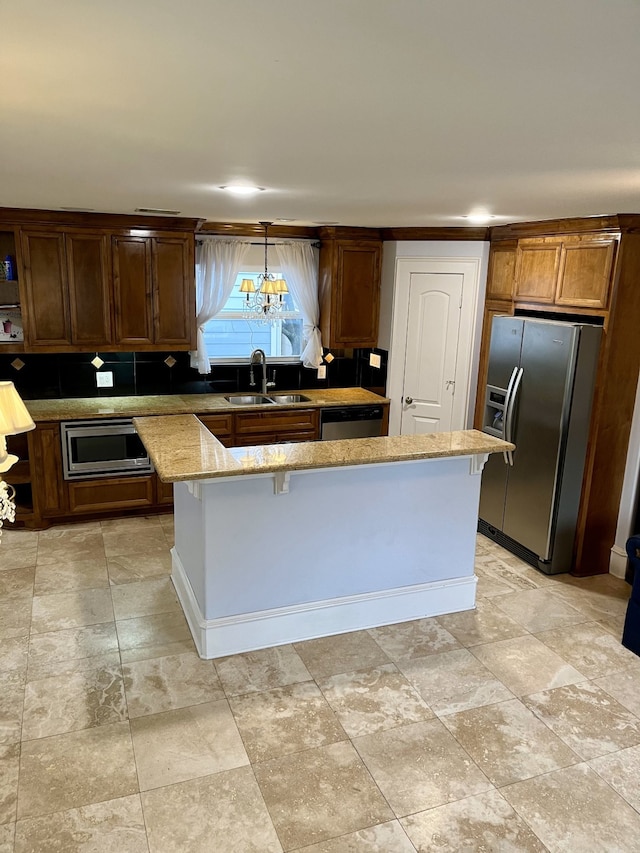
(299, 267)
(218, 262)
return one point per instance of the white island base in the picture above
(261, 560)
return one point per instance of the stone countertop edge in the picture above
(182, 448)
(80, 408)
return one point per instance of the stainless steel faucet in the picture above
(259, 356)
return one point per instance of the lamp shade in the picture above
(268, 286)
(247, 286)
(14, 417)
(281, 286)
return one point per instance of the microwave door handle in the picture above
(508, 459)
(509, 417)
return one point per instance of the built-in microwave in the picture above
(102, 448)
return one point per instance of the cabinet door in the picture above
(45, 273)
(174, 309)
(350, 292)
(585, 272)
(46, 470)
(89, 289)
(502, 265)
(132, 291)
(537, 265)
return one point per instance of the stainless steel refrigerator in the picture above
(539, 393)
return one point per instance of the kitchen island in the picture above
(288, 542)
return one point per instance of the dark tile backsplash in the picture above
(51, 375)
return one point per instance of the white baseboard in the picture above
(250, 631)
(618, 562)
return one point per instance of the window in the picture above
(231, 336)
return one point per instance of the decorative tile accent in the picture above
(17, 364)
(170, 361)
(97, 362)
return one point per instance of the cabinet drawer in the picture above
(292, 420)
(276, 437)
(219, 425)
(111, 493)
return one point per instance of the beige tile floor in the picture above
(514, 727)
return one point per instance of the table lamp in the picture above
(14, 418)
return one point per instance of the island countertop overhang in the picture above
(182, 449)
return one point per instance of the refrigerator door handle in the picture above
(508, 427)
(508, 460)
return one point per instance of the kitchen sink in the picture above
(289, 398)
(249, 400)
(263, 400)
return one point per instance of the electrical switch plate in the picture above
(322, 371)
(375, 360)
(104, 379)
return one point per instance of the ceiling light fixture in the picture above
(266, 301)
(242, 189)
(479, 217)
(160, 211)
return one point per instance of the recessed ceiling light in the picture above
(78, 209)
(326, 223)
(479, 217)
(157, 210)
(281, 219)
(242, 189)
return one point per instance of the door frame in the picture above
(468, 335)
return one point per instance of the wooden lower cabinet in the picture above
(89, 496)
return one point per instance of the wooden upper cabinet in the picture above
(89, 275)
(45, 286)
(537, 265)
(585, 271)
(132, 298)
(502, 265)
(173, 289)
(350, 292)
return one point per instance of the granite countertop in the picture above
(181, 448)
(179, 404)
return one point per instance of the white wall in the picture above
(395, 250)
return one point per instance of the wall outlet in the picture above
(322, 371)
(104, 379)
(375, 360)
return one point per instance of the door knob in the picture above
(408, 400)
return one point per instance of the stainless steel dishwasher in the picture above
(350, 422)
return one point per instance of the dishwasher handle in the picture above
(340, 414)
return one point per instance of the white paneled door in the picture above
(433, 330)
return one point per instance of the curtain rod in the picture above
(201, 237)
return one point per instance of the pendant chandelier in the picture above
(264, 302)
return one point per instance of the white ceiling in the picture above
(362, 112)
